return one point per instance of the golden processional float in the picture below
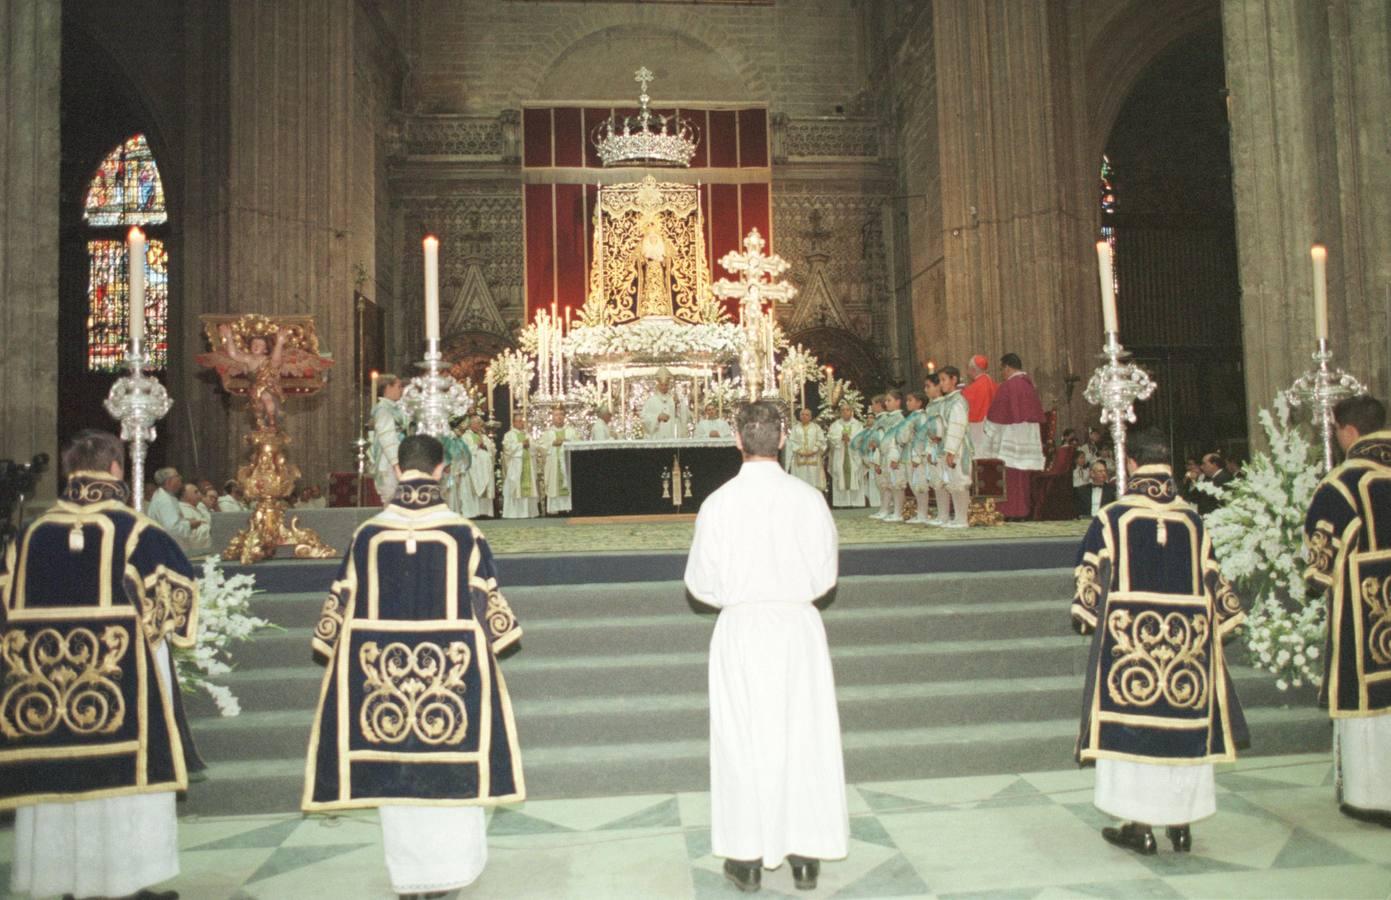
(267, 359)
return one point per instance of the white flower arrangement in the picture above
(224, 619)
(655, 339)
(1258, 536)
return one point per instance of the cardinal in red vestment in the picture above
(1012, 434)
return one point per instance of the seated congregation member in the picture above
(765, 548)
(94, 776)
(847, 468)
(710, 425)
(1155, 731)
(199, 519)
(1097, 492)
(806, 451)
(952, 473)
(1347, 533)
(164, 507)
(519, 493)
(413, 691)
(231, 499)
(556, 465)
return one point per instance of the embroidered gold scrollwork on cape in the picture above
(1376, 594)
(330, 622)
(1089, 587)
(499, 613)
(1225, 598)
(414, 691)
(1321, 547)
(1161, 657)
(168, 604)
(55, 678)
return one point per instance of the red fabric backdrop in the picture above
(559, 228)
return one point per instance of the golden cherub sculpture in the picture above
(264, 359)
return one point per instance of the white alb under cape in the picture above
(1155, 794)
(1364, 747)
(765, 547)
(110, 847)
(433, 848)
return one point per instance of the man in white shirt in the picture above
(164, 509)
(661, 414)
(847, 470)
(230, 500)
(199, 519)
(556, 466)
(806, 451)
(710, 425)
(518, 472)
(389, 423)
(765, 548)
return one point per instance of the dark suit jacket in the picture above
(1082, 498)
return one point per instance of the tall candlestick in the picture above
(1108, 287)
(432, 288)
(135, 259)
(1320, 256)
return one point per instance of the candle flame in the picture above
(135, 233)
(431, 239)
(1319, 252)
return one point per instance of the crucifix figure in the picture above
(756, 271)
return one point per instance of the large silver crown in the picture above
(647, 138)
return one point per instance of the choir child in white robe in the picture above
(602, 429)
(458, 459)
(414, 717)
(912, 452)
(710, 426)
(555, 468)
(519, 488)
(847, 469)
(805, 454)
(892, 475)
(164, 507)
(1346, 537)
(866, 446)
(93, 780)
(952, 471)
(662, 416)
(1154, 724)
(765, 548)
(389, 424)
(477, 491)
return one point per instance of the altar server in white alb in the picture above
(847, 470)
(555, 469)
(519, 493)
(952, 472)
(478, 487)
(93, 742)
(662, 417)
(806, 451)
(1347, 535)
(389, 424)
(711, 426)
(765, 548)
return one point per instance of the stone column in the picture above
(30, 42)
(1310, 95)
(1016, 178)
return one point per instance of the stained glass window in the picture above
(1108, 209)
(125, 190)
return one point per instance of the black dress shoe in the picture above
(804, 872)
(747, 876)
(1133, 836)
(1181, 836)
(1372, 816)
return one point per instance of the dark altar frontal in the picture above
(635, 477)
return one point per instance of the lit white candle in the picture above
(432, 288)
(135, 246)
(375, 376)
(1108, 287)
(1320, 256)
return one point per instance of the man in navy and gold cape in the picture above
(414, 716)
(1347, 535)
(93, 743)
(1158, 706)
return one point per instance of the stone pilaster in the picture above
(30, 42)
(1310, 91)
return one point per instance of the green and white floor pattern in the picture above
(1277, 834)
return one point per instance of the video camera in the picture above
(17, 481)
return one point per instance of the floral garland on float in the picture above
(1258, 535)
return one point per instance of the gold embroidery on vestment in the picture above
(414, 691)
(1322, 547)
(167, 607)
(499, 613)
(1088, 585)
(1162, 657)
(1376, 594)
(70, 679)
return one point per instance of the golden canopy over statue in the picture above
(649, 255)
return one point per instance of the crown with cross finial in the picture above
(646, 138)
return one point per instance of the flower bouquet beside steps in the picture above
(1258, 535)
(224, 619)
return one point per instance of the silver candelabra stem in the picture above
(137, 401)
(1321, 388)
(434, 398)
(1115, 386)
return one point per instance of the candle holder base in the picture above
(268, 480)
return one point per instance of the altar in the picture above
(622, 478)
